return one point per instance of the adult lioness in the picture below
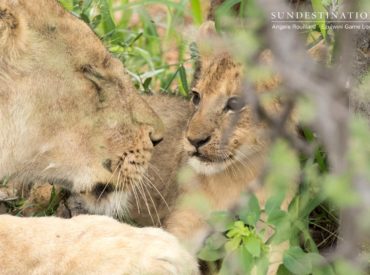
(69, 115)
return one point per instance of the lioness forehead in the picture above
(46, 20)
(220, 76)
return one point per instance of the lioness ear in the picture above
(12, 32)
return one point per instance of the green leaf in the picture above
(196, 11)
(147, 83)
(239, 225)
(135, 76)
(131, 40)
(216, 241)
(233, 244)
(273, 203)
(319, 268)
(151, 73)
(359, 151)
(297, 262)
(253, 245)
(150, 28)
(146, 55)
(343, 267)
(251, 213)
(170, 80)
(283, 232)
(108, 22)
(321, 22)
(262, 265)
(276, 217)
(226, 7)
(95, 21)
(221, 221)
(86, 4)
(232, 233)
(284, 168)
(230, 264)
(282, 270)
(68, 4)
(246, 260)
(194, 51)
(4, 181)
(210, 255)
(183, 78)
(85, 18)
(339, 190)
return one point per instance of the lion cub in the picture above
(225, 145)
(226, 149)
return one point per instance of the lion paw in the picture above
(165, 255)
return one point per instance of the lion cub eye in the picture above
(235, 104)
(196, 98)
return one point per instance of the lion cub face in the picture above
(222, 129)
(69, 112)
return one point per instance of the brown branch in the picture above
(329, 90)
(276, 124)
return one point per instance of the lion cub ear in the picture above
(206, 40)
(12, 32)
(207, 30)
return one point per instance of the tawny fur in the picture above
(152, 201)
(66, 107)
(220, 181)
(88, 245)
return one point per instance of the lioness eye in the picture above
(235, 104)
(195, 98)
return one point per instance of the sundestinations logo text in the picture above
(308, 20)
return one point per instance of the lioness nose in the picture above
(156, 133)
(145, 115)
(199, 142)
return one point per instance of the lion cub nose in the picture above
(198, 142)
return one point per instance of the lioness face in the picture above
(68, 111)
(222, 130)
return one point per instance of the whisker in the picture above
(156, 171)
(248, 163)
(231, 167)
(106, 184)
(140, 188)
(135, 196)
(156, 189)
(125, 209)
(116, 191)
(154, 205)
